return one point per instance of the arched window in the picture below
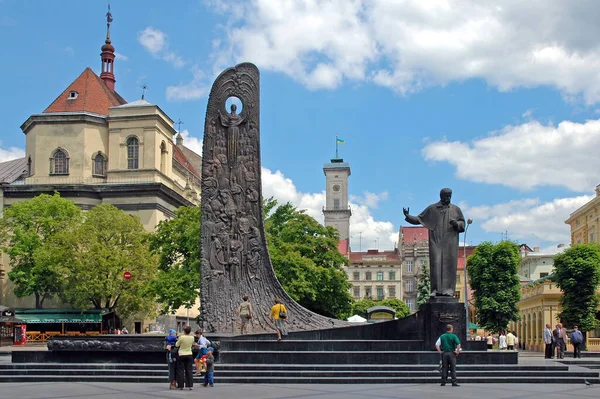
(99, 165)
(59, 163)
(133, 153)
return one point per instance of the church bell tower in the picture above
(337, 211)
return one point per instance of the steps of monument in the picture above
(361, 357)
(298, 374)
(357, 379)
(285, 367)
(320, 346)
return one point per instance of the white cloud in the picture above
(527, 156)
(121, 57)
(410, 44)
(528, 219)
(364, 229)
(11, 153)
(196, 88)
(370, 199)
(156, 43)
(153, 40)
(191, 142)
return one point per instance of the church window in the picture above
(133, 153)
(59, 163)
(99, 165)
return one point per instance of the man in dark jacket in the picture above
(576, 340)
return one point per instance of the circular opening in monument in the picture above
(234, 100)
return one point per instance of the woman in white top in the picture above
(502, 341)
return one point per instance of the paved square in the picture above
(59, 390)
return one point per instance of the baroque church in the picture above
(94, 147)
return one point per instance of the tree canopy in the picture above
(493, 274)
(577, 274)
(106, 245)
(424, 287)
(307, 261)
(177, 244)
(398, 305)
(27, 230)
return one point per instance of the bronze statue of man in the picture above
(444, 221)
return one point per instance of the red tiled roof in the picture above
(343, 247)
(356, 257)
(413, 233)
(92, 96)
(181, 158)
(462, 251)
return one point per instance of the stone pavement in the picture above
(249, 391)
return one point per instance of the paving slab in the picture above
(290, 391)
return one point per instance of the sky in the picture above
(497, 100)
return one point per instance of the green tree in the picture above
(106, 245)
(27, 229)
(399, 306)
(360, 307)
(424, 287)
(307, 261)
(176, 242)
(496, 288)
(577, 274)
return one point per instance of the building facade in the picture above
(375, 275)
(93, 147)
(584, 223)
(413, 244)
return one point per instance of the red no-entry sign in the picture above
(127, 275)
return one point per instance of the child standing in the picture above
(171, 358)
(209, 376)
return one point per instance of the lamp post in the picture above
(469, 221)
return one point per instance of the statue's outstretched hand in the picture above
(405, 210)
(454, 223)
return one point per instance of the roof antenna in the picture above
(144, 88)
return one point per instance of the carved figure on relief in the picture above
(232, 121)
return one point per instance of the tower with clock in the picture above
(337, 212)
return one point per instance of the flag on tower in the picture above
(339, 141)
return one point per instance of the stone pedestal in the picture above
(438, 313)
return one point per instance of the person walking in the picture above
(185, 359)
(510, 341)
(490, 342)
(502, 341)
(576, 340)
(279, 315)
(548, 340)
(560, 334)
(245, 314)
(449, 348)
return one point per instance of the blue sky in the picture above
(500, 103)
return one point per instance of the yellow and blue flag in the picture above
(339, 141)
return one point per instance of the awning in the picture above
(473, 326)
(41, 318)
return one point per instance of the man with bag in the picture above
(279, 315)
(576, 340)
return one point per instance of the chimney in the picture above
(598, 190)
(179, 140)
(536, 249)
